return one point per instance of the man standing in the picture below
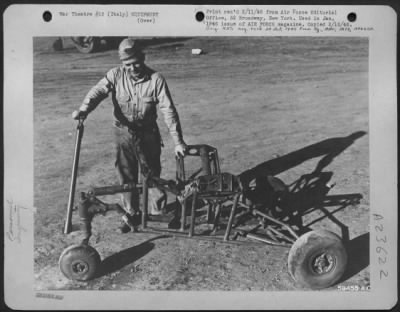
(136, 90)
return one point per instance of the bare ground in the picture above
(279, 103)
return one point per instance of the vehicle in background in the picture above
(88, 44)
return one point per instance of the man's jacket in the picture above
(135, 102)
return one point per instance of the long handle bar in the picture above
(78, 140)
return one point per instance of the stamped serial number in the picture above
(353, 288)
(381, 248)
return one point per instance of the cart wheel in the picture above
(86, 44)
(317, 259)
(79, 262)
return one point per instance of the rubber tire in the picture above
(91, 47)
(58, 44)
(306, 248)
(79, 254)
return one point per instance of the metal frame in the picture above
(207, 184)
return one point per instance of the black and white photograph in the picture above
(199, 163)
(279, 124)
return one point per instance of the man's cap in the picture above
(129, 48)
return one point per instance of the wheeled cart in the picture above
(317, 259)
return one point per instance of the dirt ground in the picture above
(284, 105)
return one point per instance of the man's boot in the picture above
(130, 222)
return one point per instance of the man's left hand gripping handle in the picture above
(77, 115)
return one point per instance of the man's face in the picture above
(134, 67)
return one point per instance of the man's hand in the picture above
(79, 115)
(180, 150)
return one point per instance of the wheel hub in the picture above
(323, 263)
(80, 267)
(86, 41)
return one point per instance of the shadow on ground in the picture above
(309, 194)
(125, 257)
(328, 149)
(358, 255)
(306, 194)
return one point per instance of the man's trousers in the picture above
(127, 165)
